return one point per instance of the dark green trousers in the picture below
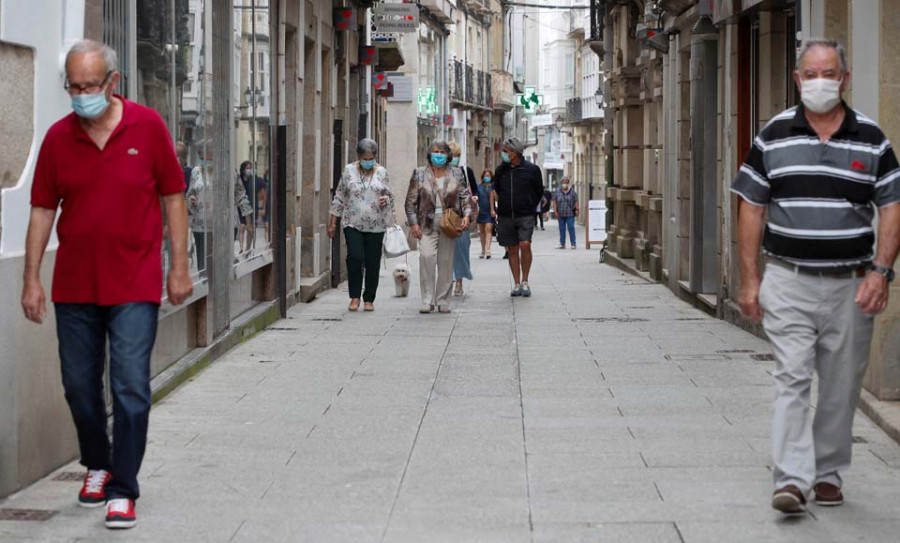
(363, 257)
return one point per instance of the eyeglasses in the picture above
(91, 88)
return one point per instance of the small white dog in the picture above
(401, 280)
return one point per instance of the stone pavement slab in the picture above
(602, 409)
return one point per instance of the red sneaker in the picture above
(93, 492)
(120, 514)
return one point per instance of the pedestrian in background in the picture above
(108, 281)
(539, 213)
(811, 182)
(565, 207)
(462, 263)
(248, 179)
(546, 202)
(434, 188)
(360, 202)
(485, 213)
(517, 191)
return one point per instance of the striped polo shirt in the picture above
(821, 197)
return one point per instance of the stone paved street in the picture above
(603, 409)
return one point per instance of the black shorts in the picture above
(512, 231)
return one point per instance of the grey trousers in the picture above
(814, 325)
(436, 253)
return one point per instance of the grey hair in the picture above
(564, 179)
(514, 144)
(110, 58)
(366, 145)
(442, 145)
(820, 42)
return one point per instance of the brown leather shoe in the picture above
(828, 495)
(789, 500)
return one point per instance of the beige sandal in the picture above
(354, 305)
(369, 306)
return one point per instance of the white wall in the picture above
(49, 27)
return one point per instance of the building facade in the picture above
(690, 85)
(584, 120)
(276, 84)
(480, 90)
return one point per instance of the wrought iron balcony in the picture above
(598, 13)
(469, 88)
(573, 110)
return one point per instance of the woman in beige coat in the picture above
(433, 188)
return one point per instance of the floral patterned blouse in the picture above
(356, 199)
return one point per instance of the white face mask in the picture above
(820, 95)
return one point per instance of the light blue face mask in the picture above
(90, 106)
(487, 180)
(367, 164)
(455, 162)
(504, 156)
(439, 159)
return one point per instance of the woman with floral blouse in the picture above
(359, 203)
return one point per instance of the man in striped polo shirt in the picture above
(820, 170)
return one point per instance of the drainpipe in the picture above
(282, 54)
(608, 113)
(704, 100)
(280, 169)
(489, 148)
(445, 130)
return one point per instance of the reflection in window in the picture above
(251, 96)
(170, 46)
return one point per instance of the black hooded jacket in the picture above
(519, 189)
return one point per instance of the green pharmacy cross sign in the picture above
(530, 100)
(427, 101)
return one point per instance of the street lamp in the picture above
(598, 95)
(254, 97)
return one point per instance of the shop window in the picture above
(251, 146)
(168, 76)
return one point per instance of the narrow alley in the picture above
(600, 409)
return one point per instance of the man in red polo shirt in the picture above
(107, 165)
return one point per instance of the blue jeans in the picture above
(567, 223)
(83, 330)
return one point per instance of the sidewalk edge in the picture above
(884, 414)
(242, 329)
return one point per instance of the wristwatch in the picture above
(888, 273)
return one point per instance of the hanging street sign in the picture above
(530, 100)
(396, 17)
(427, 101)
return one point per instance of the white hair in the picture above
(110, 58)
(831, 44)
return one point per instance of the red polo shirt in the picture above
(110, 228)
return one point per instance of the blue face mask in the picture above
(439, 159)
(504, 156)
(487, 180)
(367, 164)
(90, 106)
(455, 161)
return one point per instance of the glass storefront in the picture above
(173, 74)
(252, 98)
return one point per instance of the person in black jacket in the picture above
(518, 188)
(545, 207)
